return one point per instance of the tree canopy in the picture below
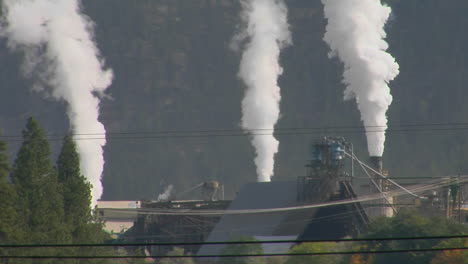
(76, 190)
(312, 248)
(44, 203)
(10, 230)
(40, 195)
(238, 249)
(409, 223)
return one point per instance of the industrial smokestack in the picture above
(384, 206)
(376, 163)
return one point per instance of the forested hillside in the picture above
(175, 71)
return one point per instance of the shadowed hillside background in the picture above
(174, 71)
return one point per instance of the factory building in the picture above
(175, 222)
(280, 210)
(329, 202)
(117, 220)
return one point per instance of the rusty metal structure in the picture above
(176, 228)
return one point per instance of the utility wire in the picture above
(281, 129)
(252, 132)
(381, 175)
(331, 217)
(233, 242)
(372, 180)
(364, 198)
(238, 255)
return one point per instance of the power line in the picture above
(280, 129)
(261, 129)
(362, 164)
(238, 255)
(252, 132)
(331, 217)
(233, 242)
(364, 198)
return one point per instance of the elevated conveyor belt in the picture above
(349, 192)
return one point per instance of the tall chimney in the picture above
(380, 209)
(376, 163)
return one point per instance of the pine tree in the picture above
(77, 202)
(9, 227)
(40, 199)
(76, 191)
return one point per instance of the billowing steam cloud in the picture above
(355, 33)
(267, 31)
(62, 58)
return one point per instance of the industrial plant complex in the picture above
(337, 198)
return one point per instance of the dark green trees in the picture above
(316, 247)
(76, 193)
(44, 204)
(409, 224)
(240, 249)
(35, 179)
(76, 190)
(9, 228)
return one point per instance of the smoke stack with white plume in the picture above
(61, 56)
(267, 32)
(355, 34)
(376, 163)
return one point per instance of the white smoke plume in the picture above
(267, 32)
(166, 194)
(355, 33)
(61, 56)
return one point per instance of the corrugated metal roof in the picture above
(264, 195)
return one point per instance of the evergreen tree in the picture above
(40, 199)
(76, 191)
(77, 202)
(9, 228)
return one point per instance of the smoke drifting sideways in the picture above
(265, 33)
(60, 56)
(355, 33)
(166, 194)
